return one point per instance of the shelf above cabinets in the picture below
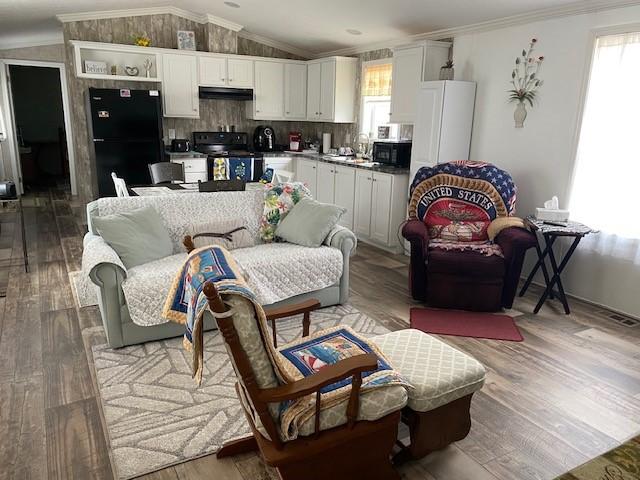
(91, 57)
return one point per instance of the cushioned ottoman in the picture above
(444, 380)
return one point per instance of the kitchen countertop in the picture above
(189, 154)
(329, 159)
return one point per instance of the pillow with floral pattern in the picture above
(278, 200)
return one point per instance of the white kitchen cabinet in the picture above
(225, 72)
(307, 172)
(362, 206)
(268, 92)
(279, 163)
(313, 90)
(413, 64)
(195, 168)
(212, 71)
(344, 193)
(332, 183)
(180, 86)
(326, 182)
(331, 89)
(444, 120)
(295, 91)
(327, 90)
(380, 207)
(240, 73)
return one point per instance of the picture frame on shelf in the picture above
(383, 132)
(95, 67)
(186, 40)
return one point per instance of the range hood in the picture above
(226, 93)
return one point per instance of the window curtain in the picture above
(606, 185)
(377, 81)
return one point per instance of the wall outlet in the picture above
(172, 133)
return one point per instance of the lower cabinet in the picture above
(380, 207)
(375, 202)
(195, 168)
(329, 183)
(307, 172)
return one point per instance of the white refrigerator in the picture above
(444, 119)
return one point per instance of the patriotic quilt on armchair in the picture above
(461, 203)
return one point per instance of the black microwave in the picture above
(396, 154)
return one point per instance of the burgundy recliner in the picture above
(453, 262)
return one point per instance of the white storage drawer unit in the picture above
(195, 168)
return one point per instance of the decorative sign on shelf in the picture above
(91, 66)
(186, 40)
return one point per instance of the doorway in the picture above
(39, 141)
(39, 127)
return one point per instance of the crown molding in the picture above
(222, 22)
(128, 12)
(576, 8)
(276, 44)
(34, 41)
(139, 12)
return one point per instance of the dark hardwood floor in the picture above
(568, 393)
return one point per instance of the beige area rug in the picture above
(154, 414)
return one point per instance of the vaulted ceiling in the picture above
(314, 26)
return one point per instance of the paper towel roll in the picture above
(326, 142)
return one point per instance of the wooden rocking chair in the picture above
(355, 449)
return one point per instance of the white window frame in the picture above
(584, 87)
(380, 61)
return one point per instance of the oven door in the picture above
(249, 169)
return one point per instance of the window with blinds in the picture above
(377, 80)
(376, 98)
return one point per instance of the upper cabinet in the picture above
(225, 72)
(321, 90)
(331, 89)
(268, 92)
(180, 86)
(411, 65)
(295, 91)
(444, 120)
(212, 71)
(240, 73)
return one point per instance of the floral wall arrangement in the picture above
(525, 81)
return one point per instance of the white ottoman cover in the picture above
(439, 372)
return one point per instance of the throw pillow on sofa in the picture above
(229, 234)
(138, 236)
(309, 222)
(278, 200)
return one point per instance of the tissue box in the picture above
(552, 215)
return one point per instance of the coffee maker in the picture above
(264, 138)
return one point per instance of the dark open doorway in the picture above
(40, 128)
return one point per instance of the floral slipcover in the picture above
(278, 200)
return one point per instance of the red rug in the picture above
(465, 324)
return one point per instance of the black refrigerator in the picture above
(125, 127)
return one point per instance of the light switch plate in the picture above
(172, 133)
